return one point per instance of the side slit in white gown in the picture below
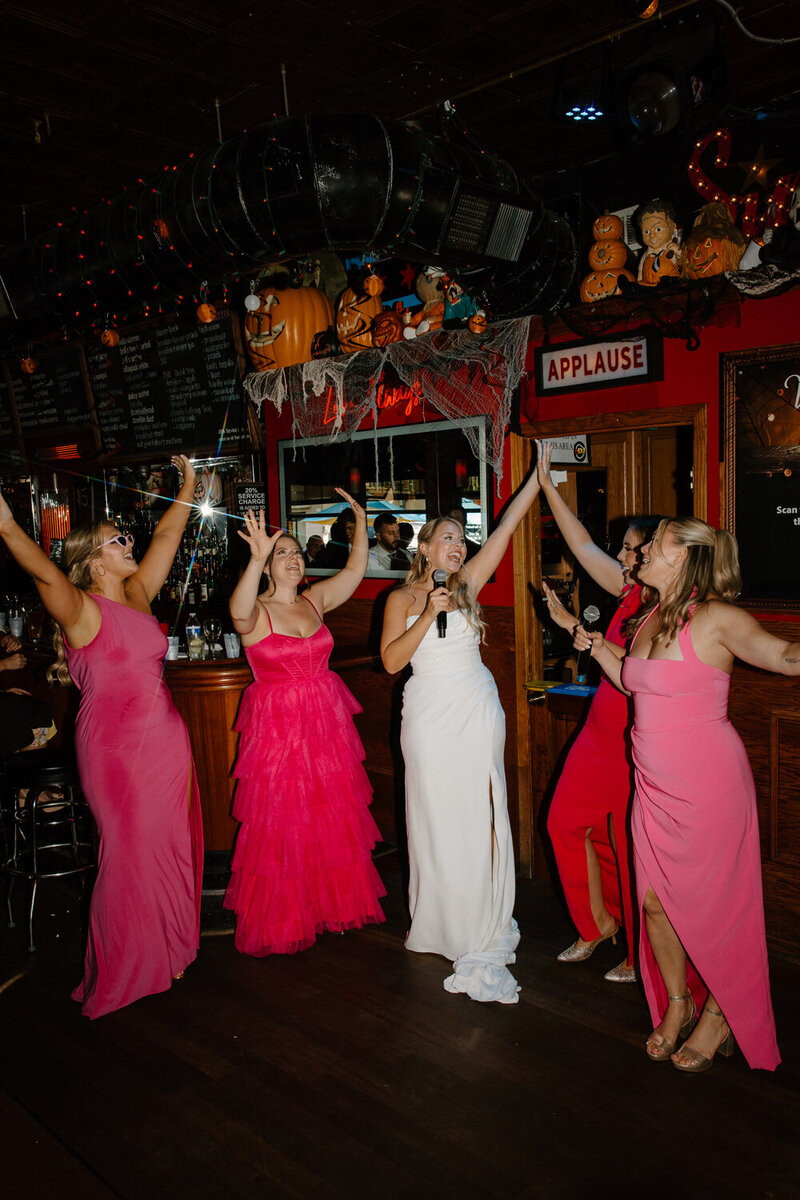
(461, 857)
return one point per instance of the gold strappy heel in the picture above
(662, 1050)
(702, 1062)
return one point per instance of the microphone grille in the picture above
(440, 578)
(591, 614)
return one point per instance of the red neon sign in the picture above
(407, 398)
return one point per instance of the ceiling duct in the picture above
(287, 190)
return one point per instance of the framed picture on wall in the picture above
(761, 430)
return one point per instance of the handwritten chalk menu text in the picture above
(54, 396)
(168, 388)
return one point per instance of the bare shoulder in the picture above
(401, 601)
(722, 615)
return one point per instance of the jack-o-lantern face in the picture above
(281, 331)
(109, 337)
(599, 285)
(477, 322)
(387, 328)
(28, 365)
(354, 318)
(607, 226)
(608, 253)
(710, 256)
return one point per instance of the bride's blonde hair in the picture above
(79, 548)
(458, 584)
(710, 571)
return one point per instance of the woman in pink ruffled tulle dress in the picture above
(132, 749)
(303, 861)
(694, 821)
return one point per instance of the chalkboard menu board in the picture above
(54, 397)
(168, 388)
(762, 459)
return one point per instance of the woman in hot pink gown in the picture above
(303, 860)
(694, 821)
(132, 749)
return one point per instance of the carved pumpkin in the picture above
(354, 317)
(28, 365)
(109, 337)
(206, 313)
(714, 244)
(282, 329)
(609, 252)
(477, 322)
(654, 267)
(387, 327)
(600, 285)
(607, 226)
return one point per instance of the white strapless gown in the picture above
(461, 856)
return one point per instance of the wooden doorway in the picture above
(637, 451)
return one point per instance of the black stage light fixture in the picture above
(582, 91)
(676, 85)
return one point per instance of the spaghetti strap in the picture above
(313, 605)
(269, 618)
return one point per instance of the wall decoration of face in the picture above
(714, 244)
(657, 224)
(282, 329)
(600, 285)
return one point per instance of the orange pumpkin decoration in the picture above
(282, 329)
(206, 313)
(714, 244)
(387, 328)
(656, 266)
(28, 364)
(608, 252)
(374, 285)
(109, 337)
(607, 226)
(477, 322)
(355, 314)
(600, 285)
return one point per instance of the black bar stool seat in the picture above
(46, 836)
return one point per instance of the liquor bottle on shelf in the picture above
(194, 636)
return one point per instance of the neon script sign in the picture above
(408, 399)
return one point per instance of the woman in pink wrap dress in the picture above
(694, 821)
(132, 749)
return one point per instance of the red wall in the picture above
(690, 377)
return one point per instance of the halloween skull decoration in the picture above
(714, 244)
(281, 331)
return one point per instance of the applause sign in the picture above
(612, 362)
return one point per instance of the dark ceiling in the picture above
(94, 94)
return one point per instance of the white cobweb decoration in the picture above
(457, 372)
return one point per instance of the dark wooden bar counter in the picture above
(207, 695)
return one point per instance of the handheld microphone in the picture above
(439, 580)
(591, 615)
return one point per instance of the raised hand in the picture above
(183, 464)
(256, 536)
(360, 513)
(544, 455)
(559, 614)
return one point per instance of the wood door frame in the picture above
(528, 565)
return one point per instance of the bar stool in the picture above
(45, 838)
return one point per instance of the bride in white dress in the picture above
(461, 857)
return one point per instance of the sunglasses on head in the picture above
(122, 539)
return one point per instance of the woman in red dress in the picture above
(588, 816)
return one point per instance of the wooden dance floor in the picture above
(347, 1071)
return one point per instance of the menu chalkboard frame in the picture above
(760, 397)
